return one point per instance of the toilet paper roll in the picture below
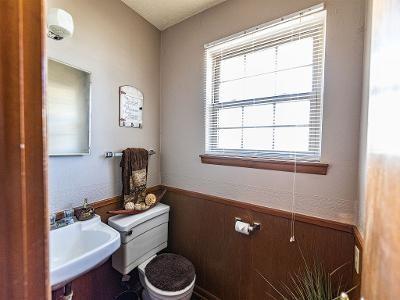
(242, 227)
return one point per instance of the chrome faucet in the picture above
(67, 219)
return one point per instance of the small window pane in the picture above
(230, 117)
(257, 138)
(231, 91)
(294, 81)
(260, 62)
(229, 138)
(292, 113)
(260, 86)
(291, 138)
(254, 87)
(295, 54)
(258, 115)
(232, 68)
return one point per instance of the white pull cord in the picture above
(293, 219)
(293, 209)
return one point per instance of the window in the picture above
(264, 90)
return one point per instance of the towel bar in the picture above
(112, 154)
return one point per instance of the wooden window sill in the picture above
(266, 164)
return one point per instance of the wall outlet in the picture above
(357, 259)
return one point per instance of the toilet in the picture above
(152, 292)
(142, 237)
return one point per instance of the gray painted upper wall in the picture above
(333, 196)
(118, 47)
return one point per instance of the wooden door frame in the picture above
(23, 157)
(381, 259)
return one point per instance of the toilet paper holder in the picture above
(253, 227)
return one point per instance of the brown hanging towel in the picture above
(134, 164)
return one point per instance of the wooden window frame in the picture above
(308, 167)
(311, 96)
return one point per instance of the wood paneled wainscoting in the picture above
(230, 265)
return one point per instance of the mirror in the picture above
(68, 110)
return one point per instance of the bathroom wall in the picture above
(333, 196)
(118, 47)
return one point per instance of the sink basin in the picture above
(78, 248)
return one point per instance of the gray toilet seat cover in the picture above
(170, 272)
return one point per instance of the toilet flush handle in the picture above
(129, 232)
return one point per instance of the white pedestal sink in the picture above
(78, 248)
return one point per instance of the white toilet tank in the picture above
(142, 236)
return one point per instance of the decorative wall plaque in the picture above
(130, 107)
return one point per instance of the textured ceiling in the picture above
(165, 13)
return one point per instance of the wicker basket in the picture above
(159, 196)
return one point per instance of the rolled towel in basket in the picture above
(134, 164)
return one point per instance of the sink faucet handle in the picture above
(52, 219)
(69, 216)
(69, 213)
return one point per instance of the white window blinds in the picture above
(263, 89)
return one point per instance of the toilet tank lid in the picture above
(127, 222)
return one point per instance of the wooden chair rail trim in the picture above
(254, 207)
(266, 210)
(109, 201)
(266, 164)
